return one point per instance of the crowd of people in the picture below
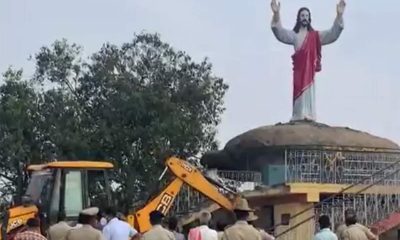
(350, 230)
(108, 225)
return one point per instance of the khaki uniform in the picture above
(241, 230)
(220, 234)
(157, 232)
(353, 232)
(86, 232)
(341, 229)
(265, 235)
(58, 231)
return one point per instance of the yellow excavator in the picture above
(66, 187)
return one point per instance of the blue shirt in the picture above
(325, 234)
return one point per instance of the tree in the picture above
(133, 105)
(17, 131)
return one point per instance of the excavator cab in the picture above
(65, 188)
(59, 189)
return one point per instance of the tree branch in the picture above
(6, 177)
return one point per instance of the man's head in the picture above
(349, 212)
(172, 223)
(221, 226)
(303, 20)
(110, 213)
(350, 220)
(61, 216)
(242, 210)
(350, 217)
(156, 217)
(204, 217)
(241, 215)
(252, 218)
(121, 216)
(33, 224)
(324, 222)
(88, 216)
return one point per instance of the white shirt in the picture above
(118, 230)
(325, 234)
(206, 233)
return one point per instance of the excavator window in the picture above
(73, 193)
(98, 189)
(84, 188)
(38, 186)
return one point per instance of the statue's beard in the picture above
(305, 23)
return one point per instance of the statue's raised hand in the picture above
(340, 7)
(275, 6)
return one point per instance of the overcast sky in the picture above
(358, 87)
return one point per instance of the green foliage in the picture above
(133, 105)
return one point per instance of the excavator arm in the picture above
(184, 173)
(162, 202)
(195, 179)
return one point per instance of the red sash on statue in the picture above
(306, 61)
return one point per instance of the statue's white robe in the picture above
(304, 105)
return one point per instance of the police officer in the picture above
(88, 220)
(241, 230)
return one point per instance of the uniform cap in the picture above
(243, 205)
(93, 211)
(252, 217)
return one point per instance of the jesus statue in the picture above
(307, 56)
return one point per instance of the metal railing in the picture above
(339, 167)
(371, 208)
(241, 176)
(379, 176)
(190, 200)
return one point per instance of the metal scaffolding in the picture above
(190, 200)
(325, 166)
(370, 208)
(187, 201)
(347, 167)
(241, 176)
(339, 167)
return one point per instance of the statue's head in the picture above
(303, 20)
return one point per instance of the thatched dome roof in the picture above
(308, 133)
(299, 133)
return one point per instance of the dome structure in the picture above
(308, 133)
(280, 136)
(300, 163)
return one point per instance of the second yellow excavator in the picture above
(64, 188)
